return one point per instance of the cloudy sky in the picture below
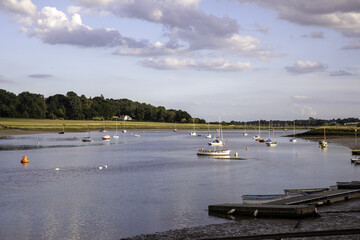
(241, 59)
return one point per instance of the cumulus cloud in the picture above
(223, 65)
(301, 67)
(40, 75)
(342, 15)
(341, 73)
(187, 27)
(207, 65)
(168, 63)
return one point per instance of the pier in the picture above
(299, 206)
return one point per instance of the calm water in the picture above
(152, 183)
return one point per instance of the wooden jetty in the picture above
(293, 207)
(322, 198)
(263, 210)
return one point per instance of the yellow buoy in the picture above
(247, 148)
(24, 159)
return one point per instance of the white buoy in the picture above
(105, 166)
(100, 168)
(256, 213)
(57, 169)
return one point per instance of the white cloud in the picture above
(341, 15)
(168, 63)
(73, 9)
(301, 67)
(205, 65)
(22, 11)
(223, 65)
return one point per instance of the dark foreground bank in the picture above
(345, 215)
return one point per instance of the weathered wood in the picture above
(264, 210)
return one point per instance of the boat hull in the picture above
(225, 152)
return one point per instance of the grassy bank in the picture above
(84, 125)
(330, 131)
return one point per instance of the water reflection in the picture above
(155, 182)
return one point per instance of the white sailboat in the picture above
(273, 143)
(323, 143)
(116, 133)
(208, 135)
(294, 138)
(218, 140)
(245, 133)
(258, 137)
(87, 139)
(124, 130)
(105, 137)
(193, 132)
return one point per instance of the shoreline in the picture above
(346, 141)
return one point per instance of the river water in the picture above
(153, 183)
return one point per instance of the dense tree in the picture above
(8, 103)
(31, 105)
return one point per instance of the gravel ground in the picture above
(343, 215)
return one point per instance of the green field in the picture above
(84, 125)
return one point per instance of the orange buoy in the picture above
(24, 159)
(201, 149)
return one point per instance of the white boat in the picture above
(272, 143)
(106, 138)
(355, 160)
(208, 135)
(261, 199)
(323, 143)
(294, 138)
(258, 137)
(222, 152)
(304, 191)
(193, 132)
(137, 135)
(218, 140)
(116, 133)
(175, 129)
(245, 133)
(124, 130)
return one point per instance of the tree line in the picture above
(74, 107)
(310, 122)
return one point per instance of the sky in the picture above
(239, 59)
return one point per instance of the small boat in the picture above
(356, 160)
(217, 153)
(106, 138)
(272, 143)
(245, 133)
(305, 191)
(258, 137)
(218, 140)
(193, 132)
(293, 140)
(175, 129)
(208, 135)
(137, 135)
(261, 199)
(323, 143)
(87, 139)
(62, 131)
(116, 136)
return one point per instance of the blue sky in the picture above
(241, 59)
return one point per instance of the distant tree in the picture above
(74, 108)
(31, 105)
(8, 102)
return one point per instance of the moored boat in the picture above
(261, 199)
(222, 152)
(87, 139)
(106, 138)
